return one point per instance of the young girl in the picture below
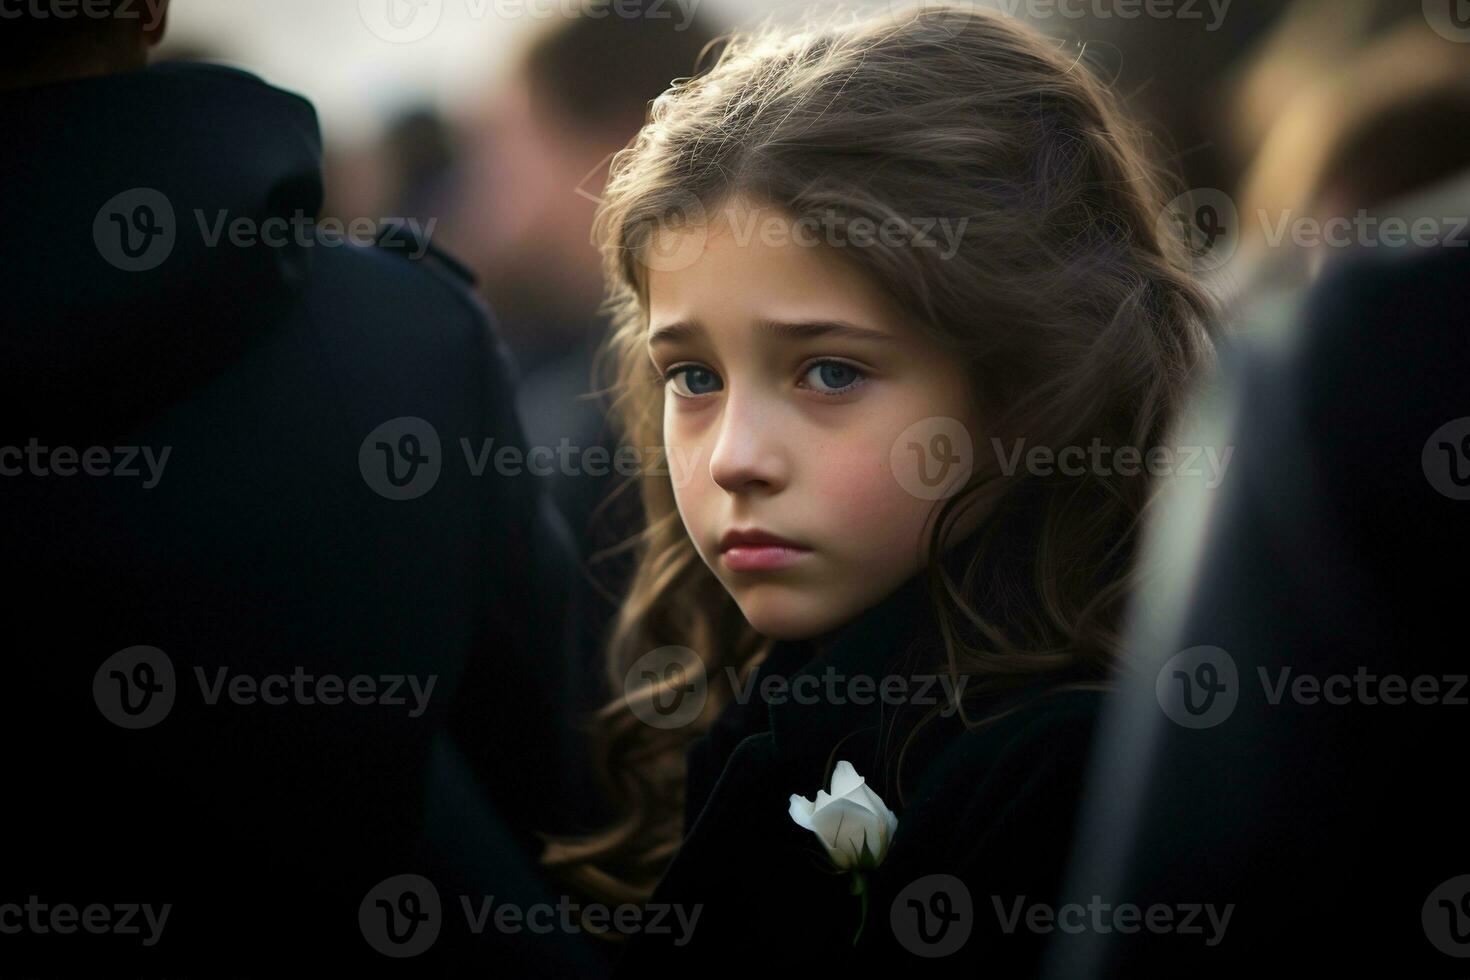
(896, 300)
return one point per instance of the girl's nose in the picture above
(749, 452)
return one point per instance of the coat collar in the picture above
(899, 636)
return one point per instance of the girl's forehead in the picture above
(744, 266)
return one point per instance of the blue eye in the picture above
(695, 380)
(824, 377)
(834, 377)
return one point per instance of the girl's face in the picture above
(811, 409)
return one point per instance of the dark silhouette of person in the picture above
(1292, 749)
(278, 640)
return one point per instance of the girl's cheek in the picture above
(690, 478)
(859, 494)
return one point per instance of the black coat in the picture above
(262, 550)
(993, 808)
(1332, 819)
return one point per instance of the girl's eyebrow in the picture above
(787, 330)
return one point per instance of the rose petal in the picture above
(887, 822)
(801, 811)
(842, 826)
(845, 779)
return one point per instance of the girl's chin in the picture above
(794, 616)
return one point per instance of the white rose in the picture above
(848, 820)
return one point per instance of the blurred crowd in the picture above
(1303, 132)
(1282, 116)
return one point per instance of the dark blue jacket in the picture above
(271, 543)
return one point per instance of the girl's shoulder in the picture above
(1024, 764)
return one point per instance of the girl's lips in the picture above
(761, 558)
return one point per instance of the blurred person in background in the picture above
(261, 676)
(1287, 754)
(1309, 42)
(420, 150)
(1343, 158)
(1213, 79)
(1172, 69)
(533, 177)
(1305, 787)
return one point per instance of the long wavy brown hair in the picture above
(1073, 306)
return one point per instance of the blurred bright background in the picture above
(492, 123)
(327, 49)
